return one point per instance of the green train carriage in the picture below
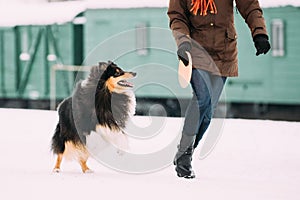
(30, 44)
(138, 37)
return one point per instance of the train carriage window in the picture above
(142, 39)
(277, 37)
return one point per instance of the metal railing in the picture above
(60, 67)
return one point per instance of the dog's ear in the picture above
(96, 71)
(102, 66)
(111, 66)
(108, 72)
(110, 62)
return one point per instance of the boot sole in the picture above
(186, 176)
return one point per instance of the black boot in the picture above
(183, 157)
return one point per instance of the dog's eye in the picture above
(118, 73)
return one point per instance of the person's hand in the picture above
(181, 52)
(262, 44)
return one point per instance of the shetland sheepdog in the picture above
(103, 102)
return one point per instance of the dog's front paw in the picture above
(120, 152)
(56, 170)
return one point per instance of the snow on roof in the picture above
(39, 13)
(13, 14)
(95, 4)
(278, 3)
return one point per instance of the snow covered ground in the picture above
(253, 159)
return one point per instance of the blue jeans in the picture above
(207, 89)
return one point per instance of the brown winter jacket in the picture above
(214, 36)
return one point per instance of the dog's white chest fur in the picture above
(132, 104)
(114, 137)
(118, 138)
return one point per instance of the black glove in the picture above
(262, 44)
(181, 52)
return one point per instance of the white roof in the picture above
(39, 13)
(278, 3)
(93, 4)
(43, 13)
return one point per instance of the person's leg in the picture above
(197, 118)
(200, 102)
(215, 89)
(193, 117)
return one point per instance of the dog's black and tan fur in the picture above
(103, 103)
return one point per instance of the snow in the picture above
(93, 4)
(33, 13)
(278, 3)
(253, 159)
(13, 14)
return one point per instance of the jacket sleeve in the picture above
(253, 15)
(178, 20)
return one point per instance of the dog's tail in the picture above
(58, 144)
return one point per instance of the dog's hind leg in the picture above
(58, 147)
(58, 162)
(84, 167)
